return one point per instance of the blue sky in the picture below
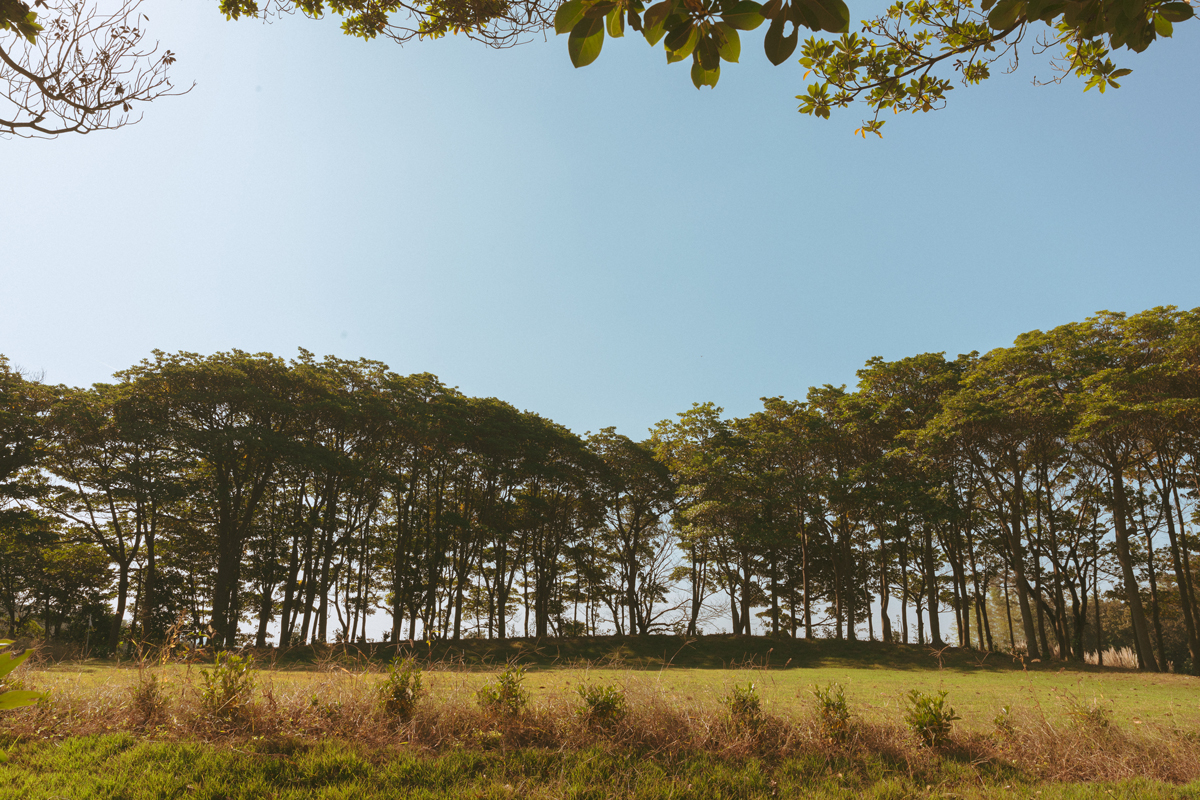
(604, 246)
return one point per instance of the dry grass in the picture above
(1074, 740)
(1124, 658)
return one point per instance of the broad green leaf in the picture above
(707, 52)
(568, 15)
(634, 19)
(729, 44)
(831, 15)
(704, 77)
(9, 662)
(777, 46)
(16, 699)
(1044, 10)
(681, 41)
(615, 23)
(653, 19)
(599, 10)
(1163, 26)
(1005, 14)
(1176, 12)
(587, 37)
(746, 15)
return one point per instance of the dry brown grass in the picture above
(1080, 741)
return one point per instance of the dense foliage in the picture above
(1043, 493)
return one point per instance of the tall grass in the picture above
(1074, 742)
(1124, 658)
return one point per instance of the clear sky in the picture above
(604, 246)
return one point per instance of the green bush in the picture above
(929, 716)
(400, 691)
(832, 711)
(227, 687)
(744, 704)
(505, 695)
(602, 705)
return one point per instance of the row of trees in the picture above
(291, 501)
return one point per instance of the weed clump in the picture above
(603, 706)
(929, 716)
(744, 705)
(226, 689)
(832, 712)
(147, 701)
(505, 696)
(401, 689)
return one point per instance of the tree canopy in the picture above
(1041, 498)
(67, 67)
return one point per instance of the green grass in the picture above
(319, 732)
(697, 672)
(121, 766)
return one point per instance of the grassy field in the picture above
(313, 726)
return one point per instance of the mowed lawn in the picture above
(699, 673)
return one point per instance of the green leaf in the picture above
(615, 23)
(587, 37)
(599, 10)
(729, 44)
(568, 15)
(777, 46)
(707, 52)
(830, 15)
(1005, 14)
(653, 19)
(704, 77)
(16, 699)
(9, 662)
(746, 15)
(1163, 26)
(1176, 12)
(681, 41)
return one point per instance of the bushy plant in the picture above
(505, 695)
(832, 711)
(929, 716)
(602, 705)
(401, 689)
(744, 704)
(1003, 721)
(1091, 715)
(227, 687)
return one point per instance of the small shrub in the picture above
(1092, 715)
(1004, 722)
(744, 704)
(505, 695)
(227, 687)
(832, 711)
(602, 705)
(400, 691)
(929, 716)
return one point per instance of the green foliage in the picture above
(13, 697)
(744, 704)
(1003, 721)
(226, 689)
(505, 696)
(602, 705)
(401, 689)
(832, 711)
(929, 716)
(1092, 715)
